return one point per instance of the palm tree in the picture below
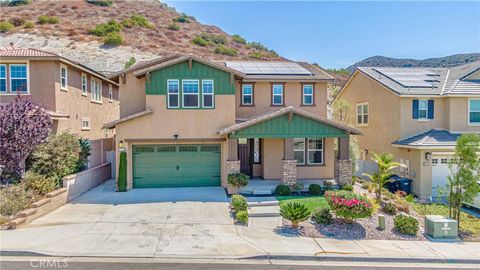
(385, 167)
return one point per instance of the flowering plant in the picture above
(349, 205)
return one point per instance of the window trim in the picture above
(99, 82)
(178, 94)
(303, 94)
(426, 111)
(469, 123)
(304, 150)
(272, 85)
(10, 77)
(252, 95)
(110, 93)
(82, 76)
(363, 124)
(65, 88)
(87, 120)
(209, 94)
(315, 150)
(5, 78)
(190, 94)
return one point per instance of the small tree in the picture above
(23, 126)
(465, 172)
(385, 167)
(343, 113)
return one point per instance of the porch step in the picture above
(262, 203)
(264, 211)
(262, 192)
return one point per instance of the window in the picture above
(96, 89)
(63, 77)
(256, 150)
(190, 93)
(247, 94)
(362, 114)
(85, 123)
(3, 78)
(422, 109)
(474, 111)
(310, 150)
(172, 93)
(18, 78)
(315, 151)
(307, 98)
(84, 84)
(277, 94)
(299, 150)
(435, 161)
(207, 94)
(110, 93)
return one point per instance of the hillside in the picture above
(144, 28)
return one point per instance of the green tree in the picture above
(130, 62)
(386, 165)
(465, 172)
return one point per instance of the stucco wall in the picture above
(410, 126)
(457, 108)
(132, 98)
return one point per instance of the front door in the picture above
(245, 157)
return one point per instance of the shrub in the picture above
(16, 21)
(5, 27)
(103, 3)
(409, 198)
(255, 55)
(226, 51)
(242, 216)
(130, 62)
(14, 199)
(297, 187)
(237, 179)
(85, 147)
(347, 187)
(406, 224)
(390, 209)
(184, 18)
(28, 24)
(137, 20)
(200, 41)
(40, 184)
(239, 203)
(104, 29)
(257, 45)
(295, 212)
(113, 39)
(354, 180)
(349, 205)
(13, 3)
(217, 39)
(322, 216)
(314, 189)
(328, 185)
(239, 39)
(174, 26)
(283, 190)
(122, 173)
(365, 185)
(44, 19)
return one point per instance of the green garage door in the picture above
(176, 165)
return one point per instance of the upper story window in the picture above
(277, 94)
(190, 93)
(96, 89)
(474, 111)
(247, 94)
(422, 109)
(63, 77)
(307, 94)
(18, 78)
(3, 78)
(172, 93)
(362, 114)
(85, 123)
(84, 84)
(110, 93)
(207, 94)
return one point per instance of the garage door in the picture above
(176, 165)
(440, 173)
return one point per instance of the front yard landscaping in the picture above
(311, 202)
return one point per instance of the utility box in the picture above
(440, 227)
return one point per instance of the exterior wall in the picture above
(293, 97)
(457, 120)
(410, 126)
(133, 97)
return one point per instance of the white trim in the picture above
(243, 94)
(209, 94)
(303, 151)
(362, 124)
(281, 95)
(94, 90)
(110, 93)
(82, 76)
(423, 147)
(190, 94)
(178, 94)
(315, 150)
(468, 113)
(65, 88)
(304, 95)
(4, 78)
(426, 111)
(27, 66)
(86, 120)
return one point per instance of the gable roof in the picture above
(25, 52)
(434, 138)
(458, 82)
(112, 124)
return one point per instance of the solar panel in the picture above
(268, 68)
(409, 77)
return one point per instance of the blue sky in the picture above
(338, 34)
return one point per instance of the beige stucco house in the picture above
(79, 99)
(416, 114)
(187, 121)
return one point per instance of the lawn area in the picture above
(469, 224)
(311, 202)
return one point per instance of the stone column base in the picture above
(343, 171)
(232, 166)
(289, 171)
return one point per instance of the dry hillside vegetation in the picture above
(146, 25)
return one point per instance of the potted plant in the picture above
(236, 181)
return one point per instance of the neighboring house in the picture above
(417, 114)
(79, 99)
(187, 121)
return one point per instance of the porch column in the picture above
(232, 164)
(343, 164)
(289, 163)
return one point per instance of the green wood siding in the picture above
(180, 71)
(298, 127)
(176, 166)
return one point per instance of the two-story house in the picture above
(187, 121)
(417, 114)
(79, 99)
